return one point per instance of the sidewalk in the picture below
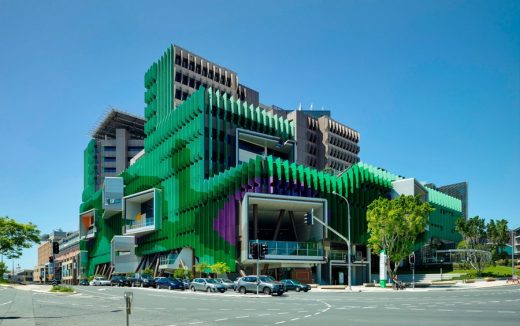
(451, 287)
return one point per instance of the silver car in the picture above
(266, 285)
(226, 282)
(207, 284)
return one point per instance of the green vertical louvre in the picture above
(89, 170)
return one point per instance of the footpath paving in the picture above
(440, 287)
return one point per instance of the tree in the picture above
(220, 268)
(394, 225)
(498, 234)
(201, 268)
(3, 269)
(473, 231)
(14, 237)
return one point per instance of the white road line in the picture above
(416, 309)
(1, 304)
(444, 309)
(238, 317)
(506, 312)
(221, 319)
(280, 322)
(393, 308)
(307, 316)
(260, 315)
(225, 309)
(294, 319)
(316, 313)
(195, 322)
(282, 313)
(473, 310)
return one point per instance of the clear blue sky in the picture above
(432, 86)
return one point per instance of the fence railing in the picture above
(143, 223)
(292, 248)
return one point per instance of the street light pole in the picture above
(512, 255)
(349, 242)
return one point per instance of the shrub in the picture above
(62, 288)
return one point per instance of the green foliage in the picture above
(220, 268)
(201, 268)
(16, 236)
(62, 288)
(3, 269)
(394, 226)
(473, 231)
(182, 273)
(148, 271)
(498, 234)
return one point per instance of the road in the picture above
(105, 306)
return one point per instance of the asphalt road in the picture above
(105, 306)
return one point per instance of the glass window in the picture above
(110, 170)
(109, 159)
(109, 148)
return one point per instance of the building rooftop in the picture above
(116, 119)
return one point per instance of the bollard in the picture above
(128, 300)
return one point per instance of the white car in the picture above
(99, 281)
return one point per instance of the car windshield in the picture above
(146, 276)
(210, 280)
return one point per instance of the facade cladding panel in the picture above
(189, 155)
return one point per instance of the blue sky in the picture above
(432, 86)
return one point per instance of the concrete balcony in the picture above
(142, 212)
(87, 227)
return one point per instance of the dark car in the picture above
(295, 285)
(169, 283)
(185, 282)
(142, 280)
(119, 280)
(84, 282)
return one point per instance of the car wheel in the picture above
(242, 290)
(208, 289)
(305, 291)
(193, 289)
(267, 291)
(298, 289)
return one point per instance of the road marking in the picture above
(283, 313)
(302, 310)
(393, 308)
(195, 322)
(260, 315)
(221, 319)
(495, 301)
(307, 316)
(273, 309)
(294, 319)
(370, 307)
(506, 312)
(417, 309)
(317, 313)
(280, 322)
(473, 310)
(225, 309)
(248, 309)
(444, 309)
(238, 317)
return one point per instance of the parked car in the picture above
(266, 285)
(226, 282)
(295, 285)
(186, 282)
(207, 284)
(235, 283)
(119, 280)
(169, 283)
(99, 281)
(83, 282)
(142, 280)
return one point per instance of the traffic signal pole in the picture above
(314, 218)
(257, 265)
